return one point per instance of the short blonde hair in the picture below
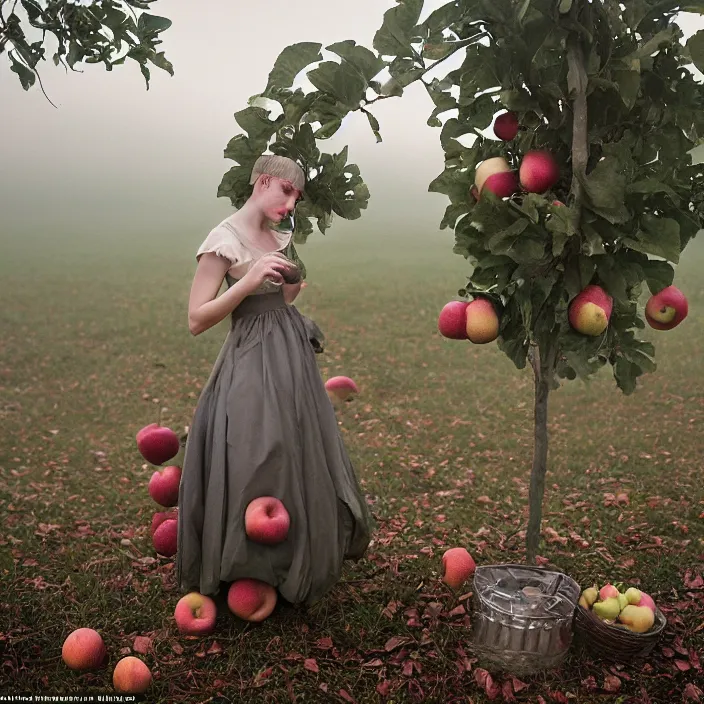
(279, 167)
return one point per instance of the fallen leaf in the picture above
(558, 697)
(347, 697)
(518, 685)
(177, 648)
(693, 583)
(215, 648)
(612, 683)
(394, 642)
(682, 665)
(384, 688)
(142, 645)
(324, 643)
(590, 683)
(311, 664)
(692, 692)
(507, 692)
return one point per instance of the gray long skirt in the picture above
(264, 426)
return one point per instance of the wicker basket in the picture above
(615, 643)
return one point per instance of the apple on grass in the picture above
(341, 388)
(251, 599)
(164, 485)
(666, 309)
(482, 324)
(590, 311)
(195, 614)
(538, 171)
(131, 676)
(452, 322)
(157, 443)
(84, 649)
(458, 566)
(266, 520)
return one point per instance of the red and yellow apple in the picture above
(590, 310)
(341, 388)
(157, 443)
(163, 486)
(84, 649)
(638, 619)
(506, 126)
(458, 567)
(251, 599)
(452, 322)
(131, 676)
(589, 596)
(646, 600)
(666, 309)
(165, 537)
(496, 176)
(608, 591)
(266, 520)
(195, 614)
(538, 171)
(482, 324)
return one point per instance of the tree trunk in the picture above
(542, 371)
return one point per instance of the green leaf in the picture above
(256, 123)
(152, 24)
(605, 189)
(520, 16)
(374, 124)
(565, 6)
(665, 36)
(628, 83)
(611, 274)
(658, 236)
(394, 37)
(290, 62)
(652, 185)
(366, 63)
(658, 275)
(160, 61)
(26, 76)
(695, 46)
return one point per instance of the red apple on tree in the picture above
(590, 310)
(667, 309)
(452, 322)
(538, 171)
(496, 176)
(506, 126)
(157, 443)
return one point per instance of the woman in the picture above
(264, 425)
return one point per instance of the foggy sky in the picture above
(116, 158)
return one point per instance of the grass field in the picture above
(94, 342)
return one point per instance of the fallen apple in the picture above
(538, 171)
(266, 520)
(458, 566)
(131, 676)
(195, 614)
(165, 537)
(157, 443)
(506, 126)
(341, 388)
(84, 649)
(666, 309)
(482, 321)
(251, 599)
(638, 619)
(452, 322)
(164, 485)
(590, 311)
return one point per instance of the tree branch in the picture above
(577, 85)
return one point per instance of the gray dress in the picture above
(264, 426)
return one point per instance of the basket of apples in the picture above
(618, 624)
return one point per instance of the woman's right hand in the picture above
(269, 267)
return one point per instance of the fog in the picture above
(115, 159)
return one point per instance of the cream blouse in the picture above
(225, 241)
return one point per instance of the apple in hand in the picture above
(195, 614)
(667, 309)
(452, 322)
(495, 175)
(506, 126)
(84, 649)
(157, 443)
(341, 388)
(482, 321)
(590, 310)
(266, 520)
(163, 486)
(538, 171)
(251, 599)
(131, 676)
(458, 566)
(638, 619)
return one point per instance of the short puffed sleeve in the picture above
(223, 242)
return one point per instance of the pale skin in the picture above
(271, 201)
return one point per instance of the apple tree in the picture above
(85, 32)
(581, 207)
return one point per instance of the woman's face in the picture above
(278, 199)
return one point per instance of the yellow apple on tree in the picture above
(590, 311)
(482, 321)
